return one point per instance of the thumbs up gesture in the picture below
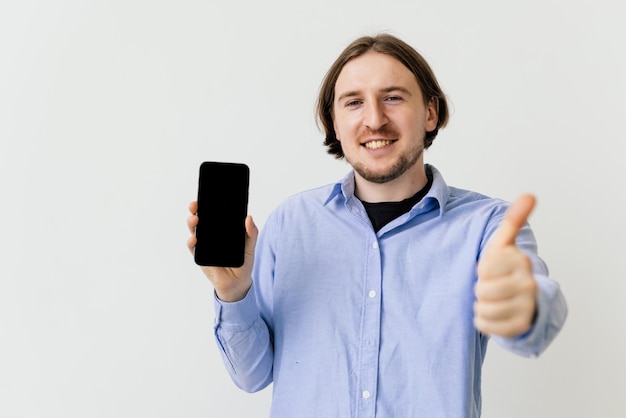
(506, 292)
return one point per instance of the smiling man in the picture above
(376, 296)
(381, 118)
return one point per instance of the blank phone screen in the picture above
(222, 209)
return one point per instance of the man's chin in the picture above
(389, 173)
(379, 177)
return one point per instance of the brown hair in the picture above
(398, 49)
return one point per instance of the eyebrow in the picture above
(390, 89)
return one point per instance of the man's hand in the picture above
(231, 284)
(506, 291)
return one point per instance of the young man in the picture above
(376, 296)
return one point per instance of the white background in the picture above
(108, 107)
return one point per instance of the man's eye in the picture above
(353, 103)
(394, 98)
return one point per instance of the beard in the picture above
(399, 167)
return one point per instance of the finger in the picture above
(495, 290)
(193, 207)
(497, 310)
(514, 219)
(192, 222)
(507, 328)
(252, 232)
(505, 262)
(191, 244)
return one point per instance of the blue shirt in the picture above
(346, 322)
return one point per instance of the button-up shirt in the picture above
(346, 322)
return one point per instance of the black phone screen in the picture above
(222, 209)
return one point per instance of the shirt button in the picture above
(372, 294)
(366, 394)
(375, 245)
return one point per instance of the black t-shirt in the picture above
(382, 213)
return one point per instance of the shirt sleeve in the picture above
(244, 342)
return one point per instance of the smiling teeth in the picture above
(377, 144)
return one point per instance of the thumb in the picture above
(252, 232)
(514, 219)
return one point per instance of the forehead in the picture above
(375, 70)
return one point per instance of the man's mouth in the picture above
(378, 144)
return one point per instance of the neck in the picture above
(398, 189)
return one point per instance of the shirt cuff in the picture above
(236, 316)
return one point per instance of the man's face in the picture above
(380, 117)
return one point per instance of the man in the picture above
(376, 296)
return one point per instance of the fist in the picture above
(506, 291)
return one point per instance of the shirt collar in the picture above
(438, 194)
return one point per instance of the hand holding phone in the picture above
(222, 210)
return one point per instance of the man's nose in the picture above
(374, 116)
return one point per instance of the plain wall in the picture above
(107, 109)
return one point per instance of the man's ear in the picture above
(432, 114)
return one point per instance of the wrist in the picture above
(233, 294)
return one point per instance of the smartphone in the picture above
(222, 209)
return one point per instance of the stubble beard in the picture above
(404, 163)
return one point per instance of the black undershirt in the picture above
(382, 213)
